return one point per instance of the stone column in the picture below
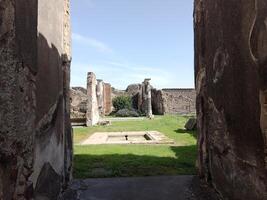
(100, 96)
(107, 99)
(92, 114)
(146, 93)
(231, 85)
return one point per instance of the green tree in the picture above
(122, 102)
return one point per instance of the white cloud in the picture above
(91, 42)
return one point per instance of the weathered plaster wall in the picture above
(35, 135)
(231, 71)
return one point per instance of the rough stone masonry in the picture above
(231, 82)
(35, 134)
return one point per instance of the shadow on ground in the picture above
(184, 131)
(130, 165)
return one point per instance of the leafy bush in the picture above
(122, 102)
(127, 113)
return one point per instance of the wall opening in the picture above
(120, 46)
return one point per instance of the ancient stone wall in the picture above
(231, 71)
(173, 101)
(107, 99)
(79, 101)
(157, 102)
(179, 101)
(115, 93)
(165, 101)
(35, 135)
(78, 98)
(145, 102)
(100, 97)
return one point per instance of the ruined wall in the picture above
(107, 99)
(231, 71)
(115, 93)
(78, 98)
(179, 101)
(174, 101)
(35, 135)
(100, 97)
(157, 102)
(79, 101)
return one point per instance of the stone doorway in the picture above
(230, 70)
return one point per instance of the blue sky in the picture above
(125, 41)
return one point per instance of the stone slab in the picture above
(191, 124)
(104, 138)
(124, 118)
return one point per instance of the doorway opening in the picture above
(139, 90)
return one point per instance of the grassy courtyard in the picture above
(137, 160)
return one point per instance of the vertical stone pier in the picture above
(146, 96)
(92, 114)
(100, 96)
(231, 84)
(107, 99)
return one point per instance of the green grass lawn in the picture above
(137, 160)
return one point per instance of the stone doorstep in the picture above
(124, 119)
(102, 138)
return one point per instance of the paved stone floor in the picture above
(143, 188)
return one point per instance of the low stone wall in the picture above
(173, 101)
(179, 101)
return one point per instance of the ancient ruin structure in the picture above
(89, 105)
(78, 98)
(100, 96)
(146, 104)
(174, 101)
(107, 99)
(92, 112)
(231, 86)
(165, 101)
(35, 134)
(231, 82)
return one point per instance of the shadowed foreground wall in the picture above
(231, 83)
(35, 133)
